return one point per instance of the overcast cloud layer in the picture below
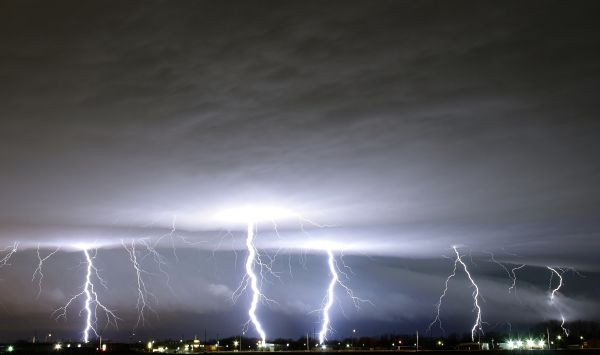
(408, 127)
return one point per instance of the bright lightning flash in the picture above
(329, 297)
(256, 294)
(251, 279)
(91, 302)
(553, 296)
(335, 272)
(251, 215)
(477, 326)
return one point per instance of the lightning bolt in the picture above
(143, 294)
(438, 305)
(510, 273)
(514, 278)
(329, 298)
(91, 301)
(160, 260)
(10, 250)
(554, 293)
(255, 266)
(251, 279)
(38, 274)
(477, 326)
(560, 283)
(169, 235)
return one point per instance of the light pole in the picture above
(353, 339)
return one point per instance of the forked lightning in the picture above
(553, 295)
(91, 301)
(477, 326)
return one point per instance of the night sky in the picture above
(395, 129)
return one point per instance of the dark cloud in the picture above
(411, 127)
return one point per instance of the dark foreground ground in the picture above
(126, 350)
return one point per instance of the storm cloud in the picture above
(405, 127)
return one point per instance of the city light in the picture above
(528, 344)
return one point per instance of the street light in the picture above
(530, 343)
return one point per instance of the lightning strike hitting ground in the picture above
(38, 270)
(335, 272)
(329, 297)
(554, 293)
(251, 279)
(91, 302)
(477, 326)
(478, 323)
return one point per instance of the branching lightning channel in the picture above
(142, 304)
(38, 273)
(477, 326)
(10, 250)
(512, 276)
(251, 279)
(329, 297)
(335, 272)
(91, 301)
(478, 323)
(554, 293)
(438, 305)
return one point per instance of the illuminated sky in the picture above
(404, 128)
